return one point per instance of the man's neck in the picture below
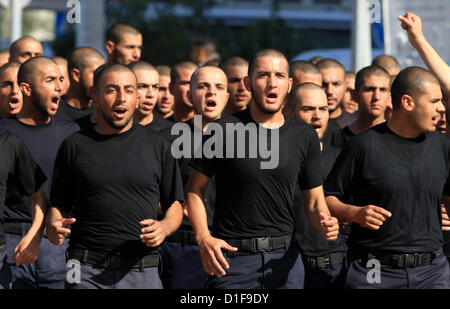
(32, 116)
(105, 129)
(143, 119)
(363, 123)
(165, 116)
(269, 121)
(182, 112)
(336, 113)
(402, 127)
(74, 98)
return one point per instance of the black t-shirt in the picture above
(310, 241)
(18, 172)
(43, 142)
(345, 119)
(333, 135)
(158, 124)
(405, 176)
(186, 171)
(111, 183)
(72, 113)
(348, 133)
(253, 199)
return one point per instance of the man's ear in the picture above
(25, 88)
(75, 74)
(354, 95)
(248, 83)
(109, 46)
(407, 102)
(93, 95)
(291, 82)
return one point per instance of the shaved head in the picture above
(82, 57)
(174, 73)
(7, 66)
(265, 53)
(25, 48)
(303, 71)
(371, 70)
(296, 93)
(329, 63)
(163, 70)
(116, 32)
(32, 67)
(387, 62)
(411, 81)
(142, 65)
(107, 68)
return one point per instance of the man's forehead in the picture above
(236, 70)
(211, 77)
(119, 77)
(149, 76)
(9, 74)
(277, 62)
(376, 80)
(29, 45)
(130, 38)
(333, 74)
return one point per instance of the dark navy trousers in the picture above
(279, 269)
(182, 266)
(49, 271)
(430, 276)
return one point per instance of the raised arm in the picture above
(413, 25)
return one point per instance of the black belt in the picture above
(182, 236)
(325, 261)
(407, 259)
(258, 245)
(114, 261)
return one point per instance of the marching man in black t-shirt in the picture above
(396, 174)
(323, 260)
(250, 245)
(19, 174)
(372, 94)
(111, 177)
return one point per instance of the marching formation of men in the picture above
(234, 174)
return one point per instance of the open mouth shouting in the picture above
(14, 103)
(119, 112)
(210, 105)
(55, 102)
(271, 97)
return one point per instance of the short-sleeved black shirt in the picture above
(43, 142)
(186, 171)
(345, 119)
(405, 176)
(72, 113)
(255, 202)
(111, 183)
(333, 135)
(18, 172)
(310, 241)
(159, 124)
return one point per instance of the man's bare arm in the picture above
(413, 25)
